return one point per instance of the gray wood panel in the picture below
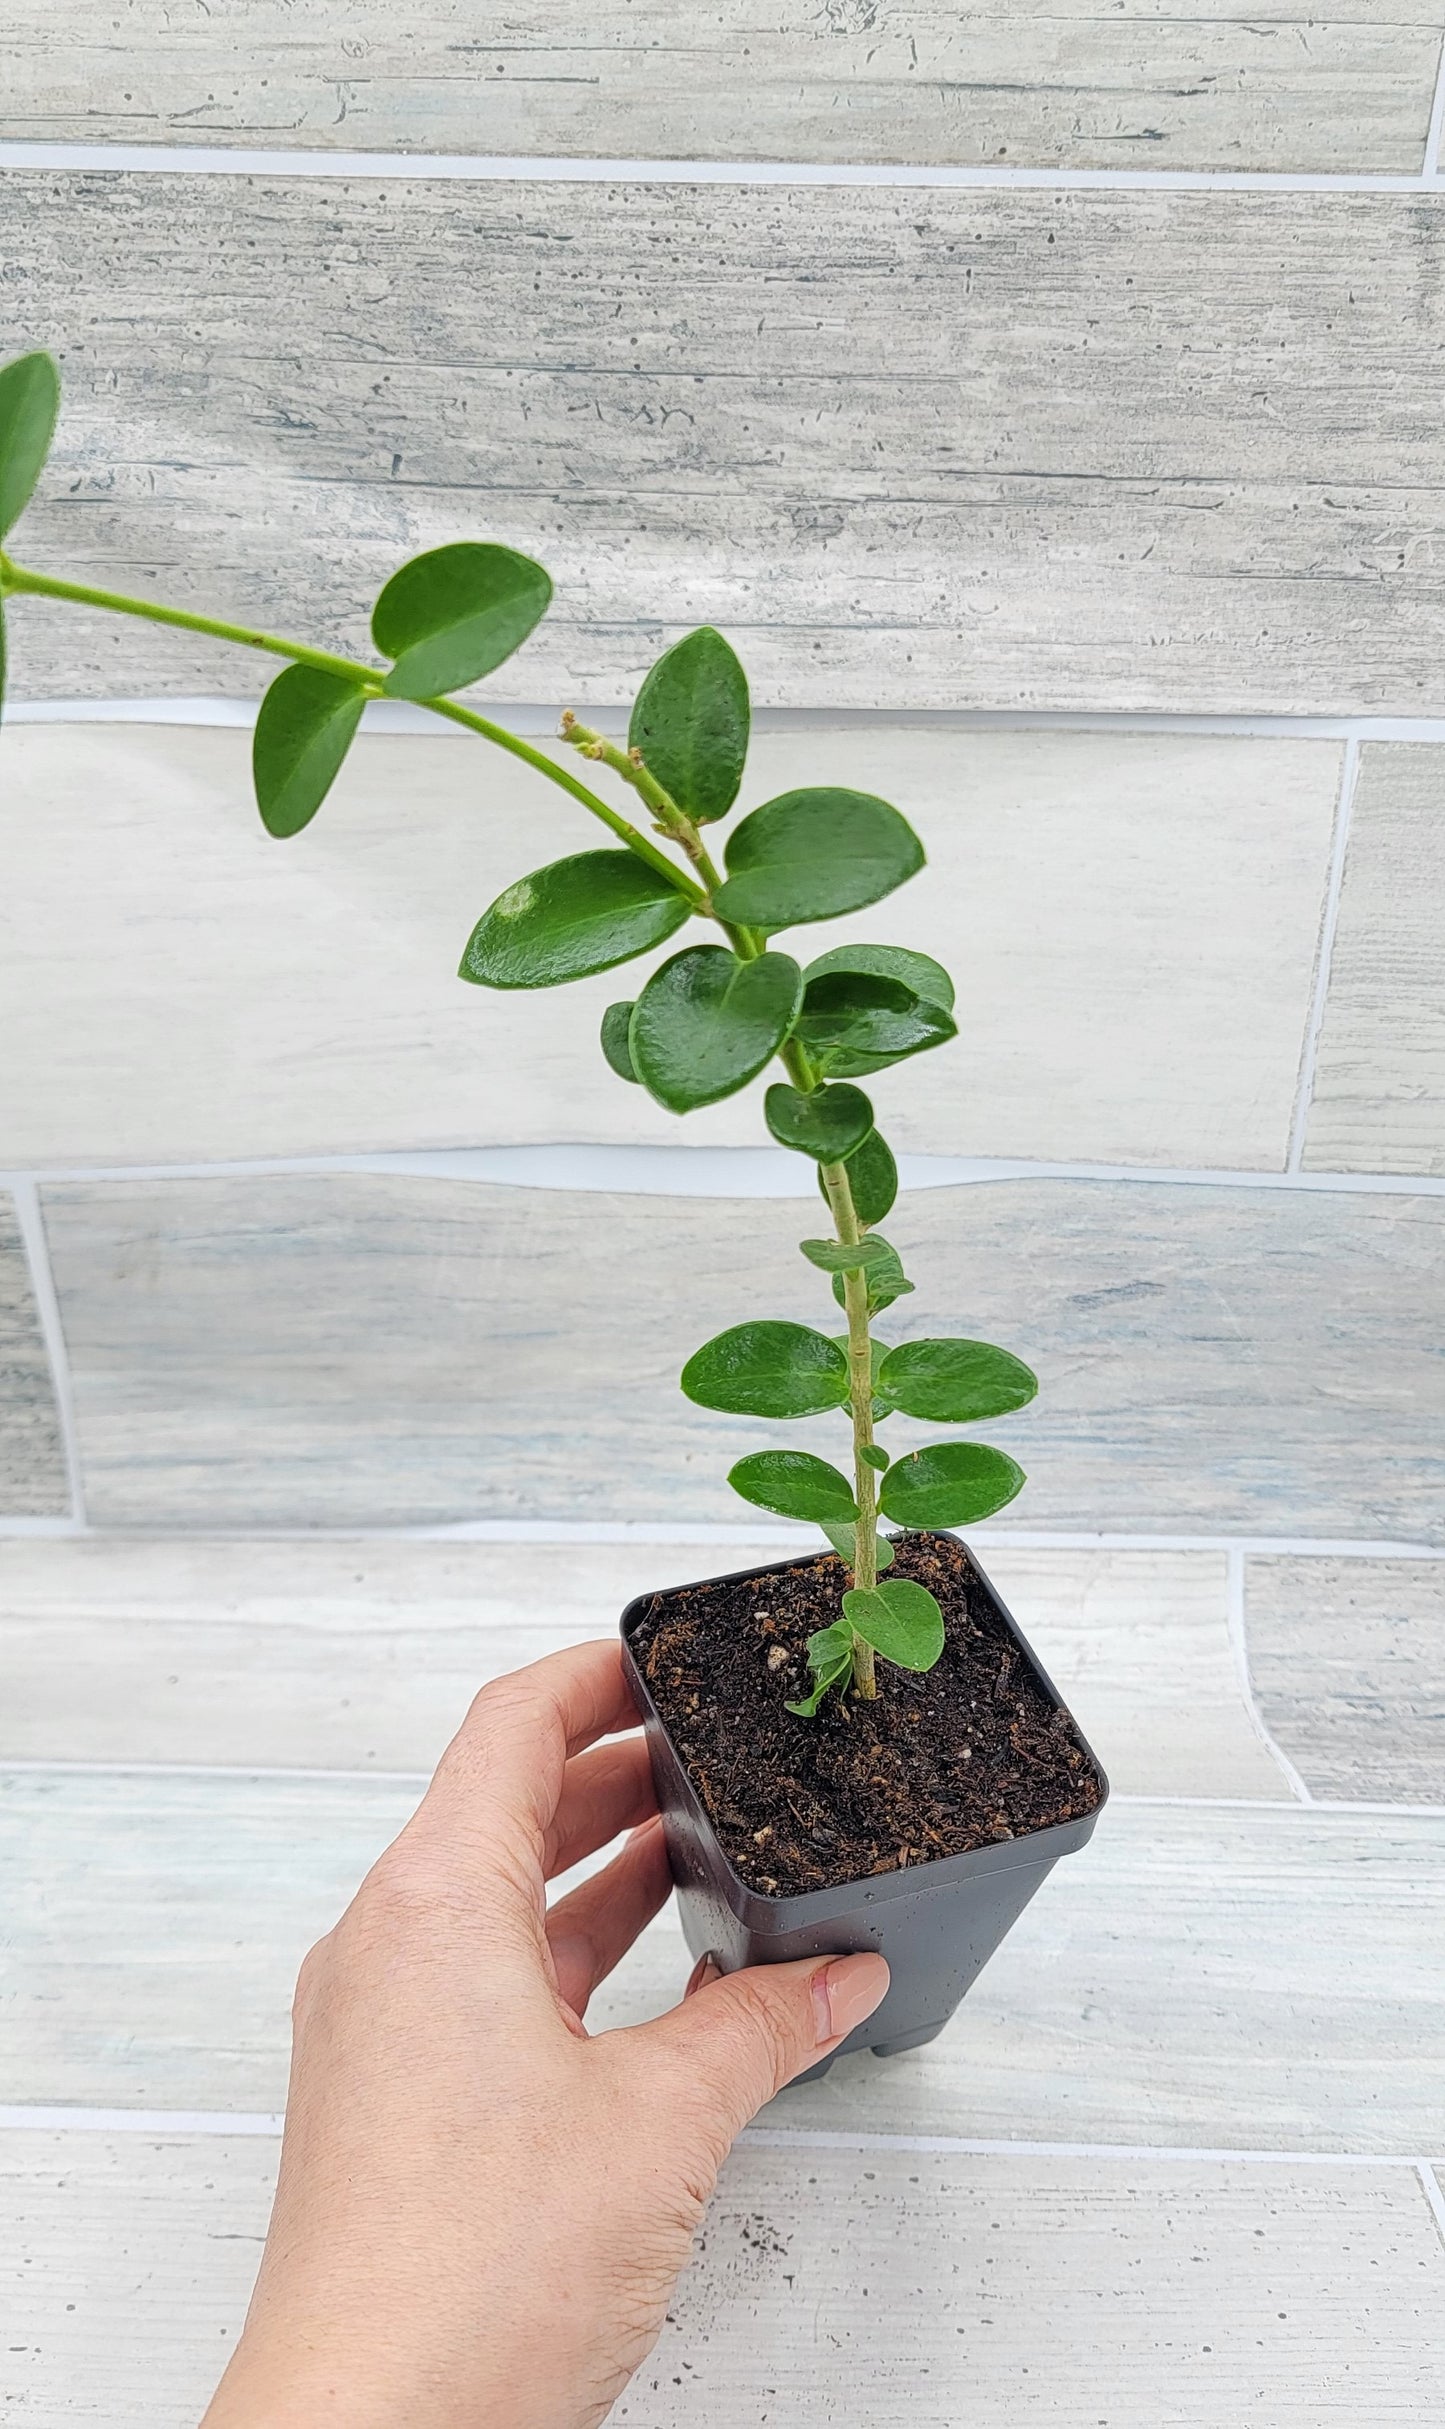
(907, 80)
(364, 1654)
(1379, 1091)
(344, 1350)
(1131, 920)
(1348, 1662)
(1200, 2293)
(1069, 449)
(1230, 1977)
(33, 1481)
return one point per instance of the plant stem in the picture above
(630, 765)
(21, 580)
(860, 1393)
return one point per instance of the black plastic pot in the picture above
(937, 1924)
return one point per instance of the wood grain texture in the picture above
(33, 1481)
(1195, 2293)
(364, 1654)
(343, 1350)
(1348, 1662)
(949, 449)
(1379, 1091)
(910, 80)
(1131, 918)
(1233, 1978)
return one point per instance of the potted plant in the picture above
(854, 1749)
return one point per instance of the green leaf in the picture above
(830, 1659)
(886, 1281)
(898, 1619)
(950, 1484)
(828, 1123)
(450, 617)
(844, 1542)
(768, 1370)
(29, 407)
(304, 729)
(615, 1021)
(874, 1455)
(958, 1382)
(572, 918)
(690, 723)
(918, 972)
(872, 1177)
(706, 1023)
(795, 1485)
(813, 854)
(855, 1022)
(832, 1257)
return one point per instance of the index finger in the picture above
(507, 1760)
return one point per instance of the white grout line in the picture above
(534, 717)
(1430, 166)
(1324, 958)
(1234, 1590)
(1430, 2183)
(506, 168)
(137, 2121)
(31, 1223)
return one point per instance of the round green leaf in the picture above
(572, 918)
(615, 1022)
(706, 1023)
(918, 972)
(886, 1282)
(898, 1619)
(858, 1022)
(768, 1370)
(303, 732)
(950, 1484)
(29, 407)
(872, 1177)
(794, 1484)
(958, 1382)
(690, 723)
(833, 1257)
(813, 854)
(844, 1540)
(828, 1123)
(451, 616)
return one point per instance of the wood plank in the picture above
(363, 1655)
(1247, 1978)
(1191, 2293)
(1060, 449)
(198, 998)
(345, 1350)
(1379, 1091)
(33, 1482)
(929, 82)
(1348, 1662)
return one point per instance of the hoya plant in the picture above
(707, 1022)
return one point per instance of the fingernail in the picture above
(707, 1969)
(845, 1992)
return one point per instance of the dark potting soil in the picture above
(964, 1755)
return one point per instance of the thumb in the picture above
(740, 2037)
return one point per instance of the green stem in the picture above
(630, 765)
(21, 580)
(860, 1394)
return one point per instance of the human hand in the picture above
(482, 2210)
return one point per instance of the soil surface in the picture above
(962, 1756)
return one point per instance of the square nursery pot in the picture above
(937, 1924)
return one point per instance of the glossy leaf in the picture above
(572, 918)
(833, 1257)
(615, 1022)
(872, 1177)
(950, 1484)
(29, 406)
(918, 972)
(828, 1123)
(844, 1542)
(795, 1485)
(874, 1456)
(853, 1022)
(830, 1659)
(887, 1281)
(957, 1382)
(706, 1023)
(451, 616)
(304, 729)
(899, 1619)
(768, 1370)
(690, 723)
(814, 854)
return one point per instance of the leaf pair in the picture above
(901, 1621)
(777, 1369)
(29, 407)
(949, 1484)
